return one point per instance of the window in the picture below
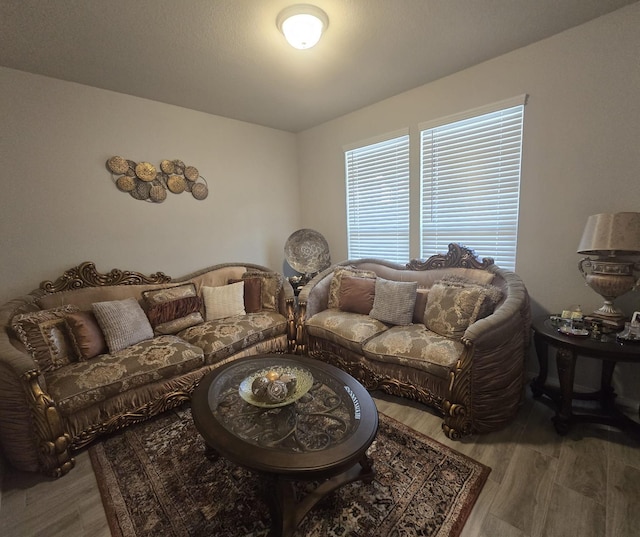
(377, 181)
(470, 182)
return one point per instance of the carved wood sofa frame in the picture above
(484, 389)
(28, 412)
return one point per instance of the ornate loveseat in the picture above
(459, 344)
(90, 353)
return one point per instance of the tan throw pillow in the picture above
(394, 301)
(44, 334)
(123, 323)
(356, 295)
(338, 274)
(177, 325)
(271, 285)
(86, 335)
(252, 293)
(453, 306)
(224, 301)
(167, 294)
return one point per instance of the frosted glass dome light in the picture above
(302, 25)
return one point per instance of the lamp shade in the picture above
(302, 25)
(611, 234)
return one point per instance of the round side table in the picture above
(568, 350)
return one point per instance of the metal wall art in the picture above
(143, 181)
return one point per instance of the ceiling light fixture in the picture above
(302, 25)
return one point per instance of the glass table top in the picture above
(324, 416)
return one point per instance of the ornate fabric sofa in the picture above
(459, 344)
(90, 353)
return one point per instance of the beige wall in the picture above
(59, 205)
(580, 154)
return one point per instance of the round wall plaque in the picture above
(307, 251)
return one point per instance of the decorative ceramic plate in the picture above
(125, 183)
(158, 193)
(304, 381)
(178, 166)
(167, 166)
(146, 171)
(117, 165)
(199, 191)
(175, 183)
(191, 173)
(307, 251)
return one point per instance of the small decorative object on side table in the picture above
(568, 349)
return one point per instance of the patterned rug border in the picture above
(121, 525)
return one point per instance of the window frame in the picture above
(491, 190)
(364, 197)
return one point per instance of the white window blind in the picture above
(470, 184)
(377, 181)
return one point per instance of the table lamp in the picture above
(613, 238)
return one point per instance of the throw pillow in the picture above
(356, 295)
(252, 293)
(338, 274)
(454, 305)
(271, 285)
(86, 336)
(173, 309)
(421, 304)
(394, 302)
(123, 323)
(224, 301)
(167, 294)
(177, 325)
(44, 335)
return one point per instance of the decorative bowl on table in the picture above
(275, 386)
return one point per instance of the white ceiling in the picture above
(226, 57)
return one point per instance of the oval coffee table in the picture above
(323, 436)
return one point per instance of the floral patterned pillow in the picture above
(452, 306)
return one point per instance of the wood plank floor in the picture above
(586, 484)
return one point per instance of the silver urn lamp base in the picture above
(610, 278)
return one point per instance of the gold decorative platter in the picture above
(304, 382)
(191, 173)
(146, 171)
(117, 165)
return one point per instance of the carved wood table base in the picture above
(287, 511)
(321, 438)
(568, 351)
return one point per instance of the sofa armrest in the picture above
(312, 299)
(31, 431)
(287, 307)
(514, 312)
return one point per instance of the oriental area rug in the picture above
(156, 481)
